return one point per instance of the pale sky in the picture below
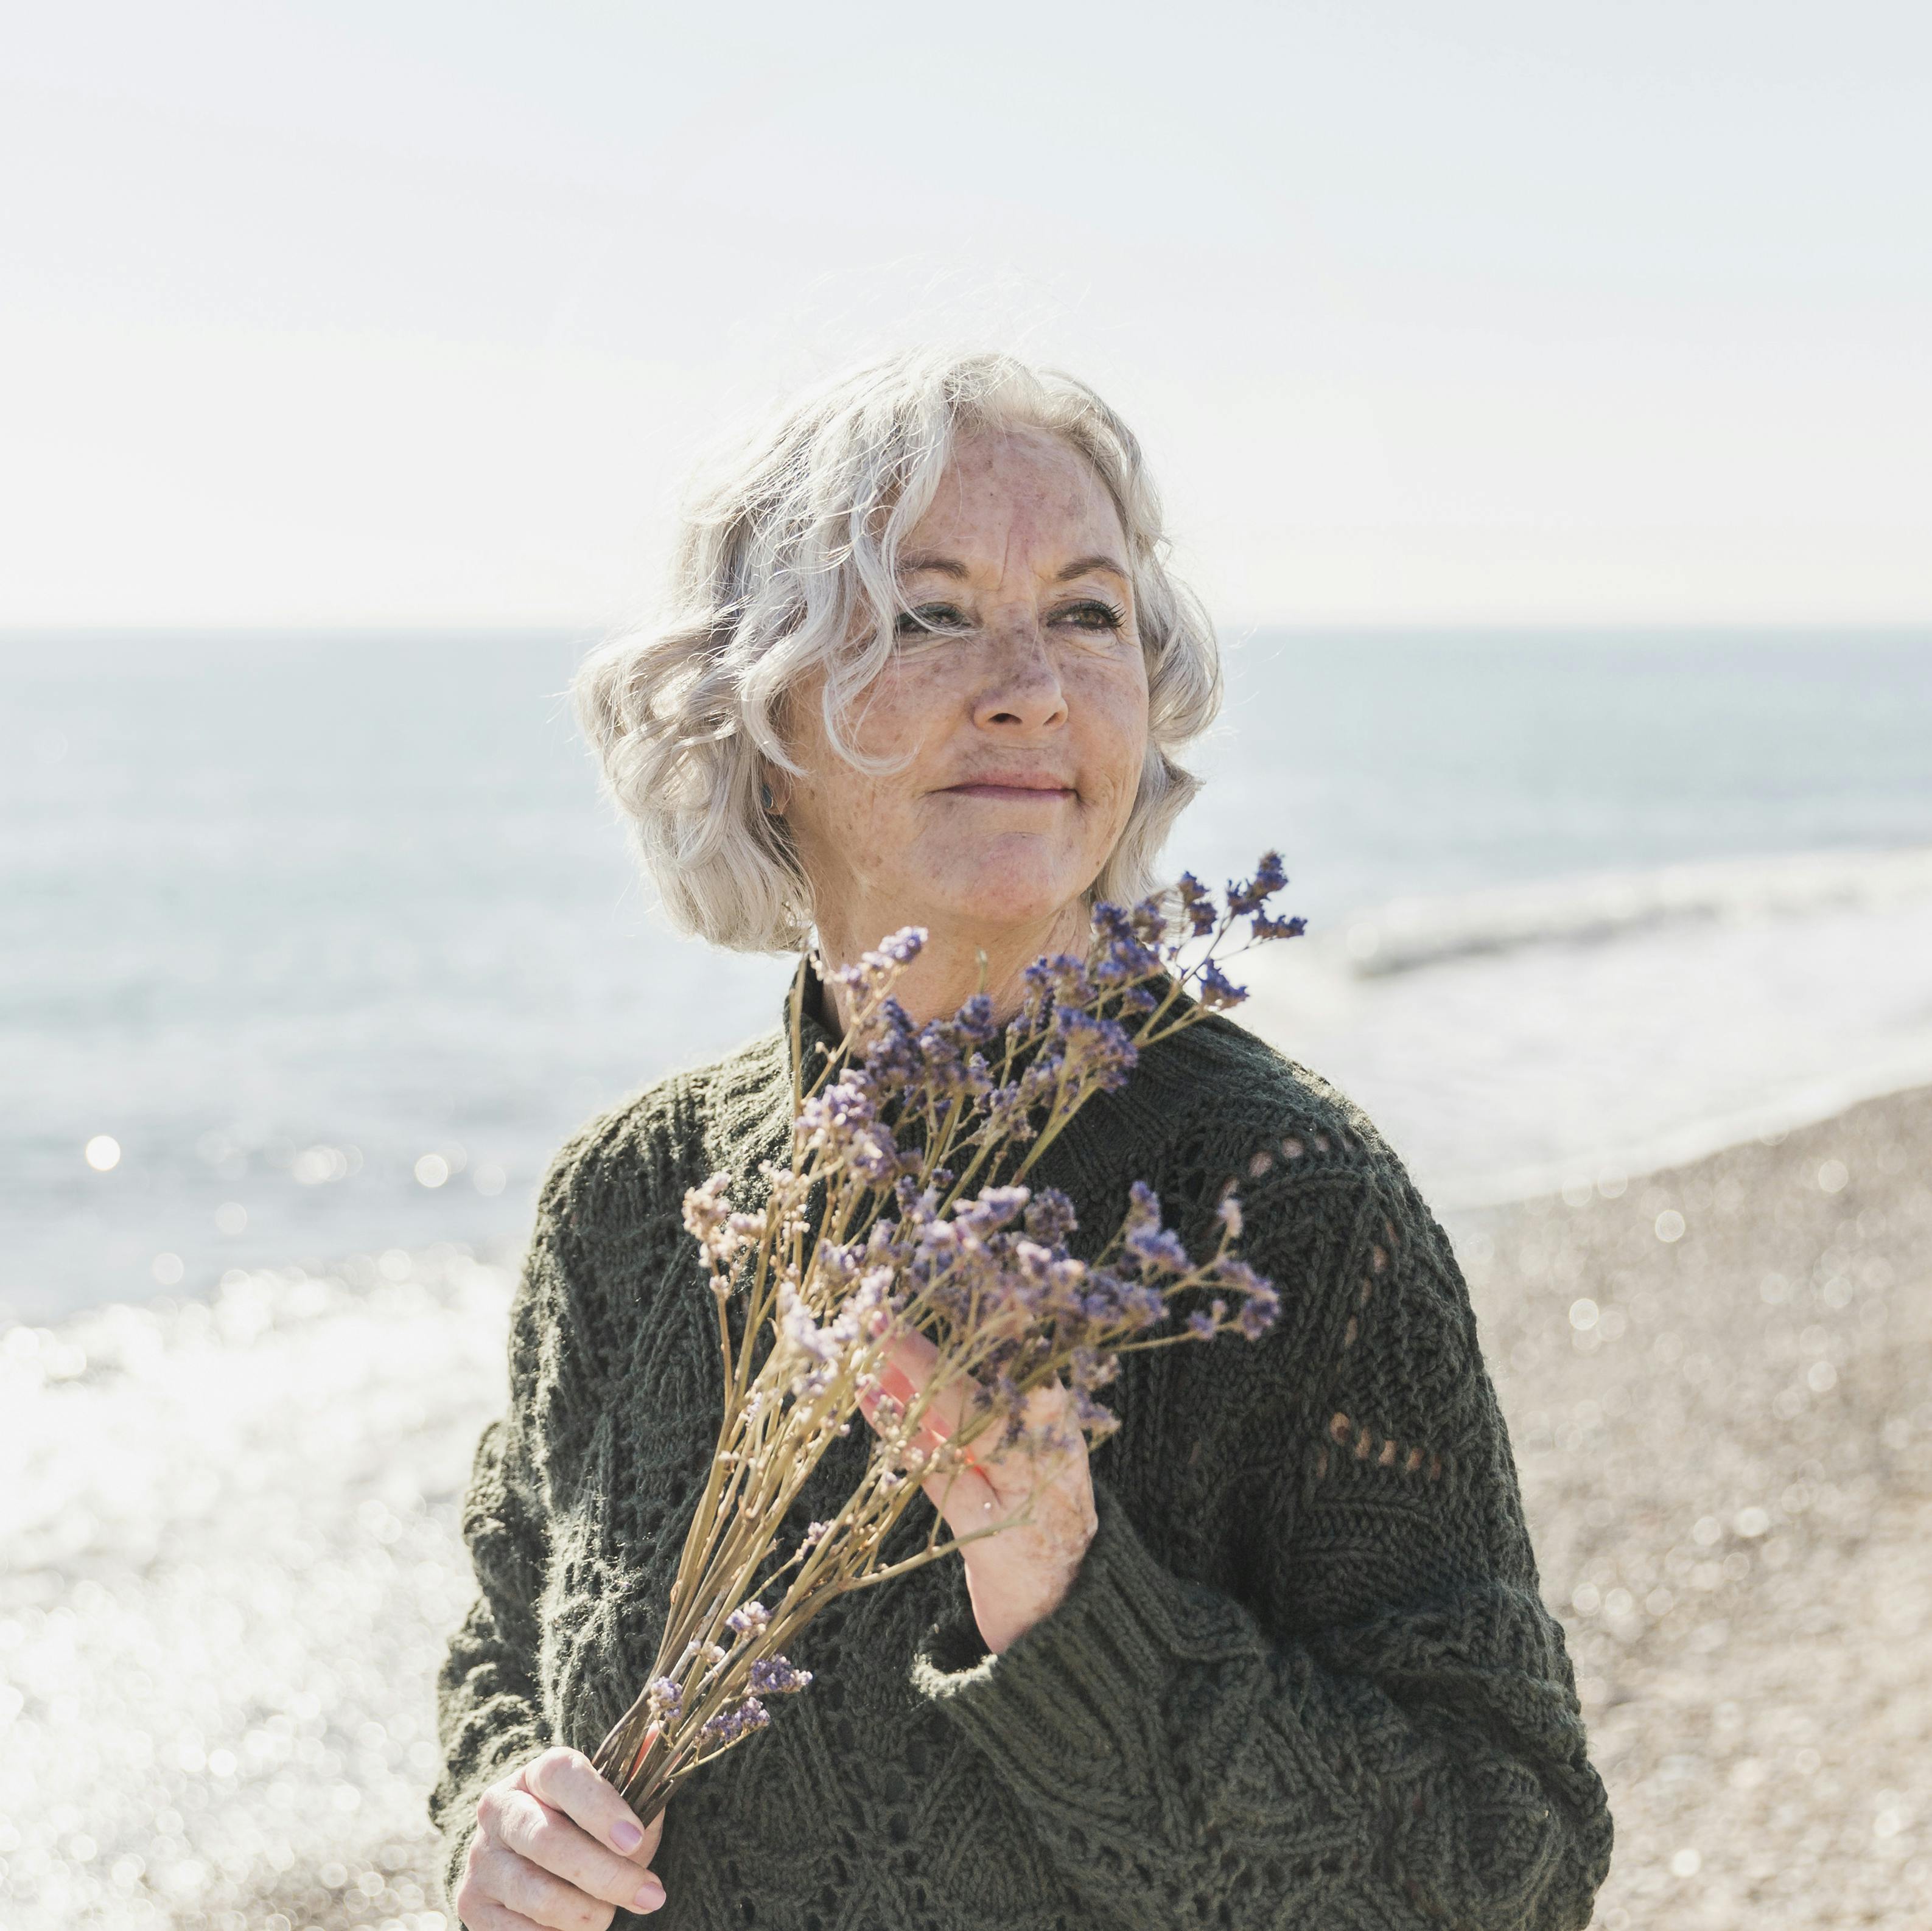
(1525, 313)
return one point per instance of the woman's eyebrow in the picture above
(951, 566)
(1082, 566)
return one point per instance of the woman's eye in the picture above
(1092, 614)
(924, 619)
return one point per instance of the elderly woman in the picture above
(1278, 1657)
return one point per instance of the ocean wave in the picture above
(1408, 934)
(1618, 1025)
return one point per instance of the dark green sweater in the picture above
(1304, 1677)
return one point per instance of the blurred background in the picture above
(1542, 402)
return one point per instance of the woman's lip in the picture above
(990, 791)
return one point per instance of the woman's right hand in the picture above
(556, 1847)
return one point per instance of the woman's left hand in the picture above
(1018, 1575)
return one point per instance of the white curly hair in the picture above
(787, 560)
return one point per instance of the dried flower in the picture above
(913, 1151)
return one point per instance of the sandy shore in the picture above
(229, 1567)
(1719, 1385)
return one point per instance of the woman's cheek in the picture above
(1120, 711)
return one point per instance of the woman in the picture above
(1278, 1657)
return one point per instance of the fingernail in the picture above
(626, 1836)
(650, 1895)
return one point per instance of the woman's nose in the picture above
(1022, 683)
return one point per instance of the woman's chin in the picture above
(1016, 901)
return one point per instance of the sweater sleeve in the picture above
(1379, 1726)
(489, 1704)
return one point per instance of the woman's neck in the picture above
(948, 971)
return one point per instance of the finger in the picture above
(564, 1779)
(933, 1432)
(966, 1500)
(548, 1840)
(964, 1497)
(485, 1914)
(908, 1368)
(543, 1898)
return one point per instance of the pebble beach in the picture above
(1719, 1386)
(230, 1572)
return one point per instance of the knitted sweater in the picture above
(1303, 1677)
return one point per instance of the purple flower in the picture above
(974, 1020)
(1050, 1217)
(1005, 1114)
(874, 1155)
(1197, 902)
(728, 1725)
(1090, 1413)
(708, 1217)
(871, 1307)
(995, 1208)
(1269, 878)
(1101, 1303)
(773, 1675)
(828, 1117)
(1218, 991)
(748, 1619)
(1159, 1248)
(1202, 1324)
(1088, 1368)
(1098, 1049)
(875, 968)
(1150, 922)
(1265, 926)
(838, 1264)
(1126, 955)
(1143, 1208)
(1258, 1312)
(1061, 978)
(889, 1041)
(842, 1122)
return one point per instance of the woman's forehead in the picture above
(1024, 486)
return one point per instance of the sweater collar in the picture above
(817, 1041)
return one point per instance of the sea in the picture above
(322, 943)
(313, 948)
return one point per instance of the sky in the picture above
(407, 313)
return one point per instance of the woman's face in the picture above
(1018, 686)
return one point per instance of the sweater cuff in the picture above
(1061, 1707)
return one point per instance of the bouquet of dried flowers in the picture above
(887, 1219)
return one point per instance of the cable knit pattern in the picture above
(1303, 1676)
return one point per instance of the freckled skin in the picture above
(1032, 674)
(1028, 676)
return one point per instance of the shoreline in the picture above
(232, 1558)
(1812, 1103)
